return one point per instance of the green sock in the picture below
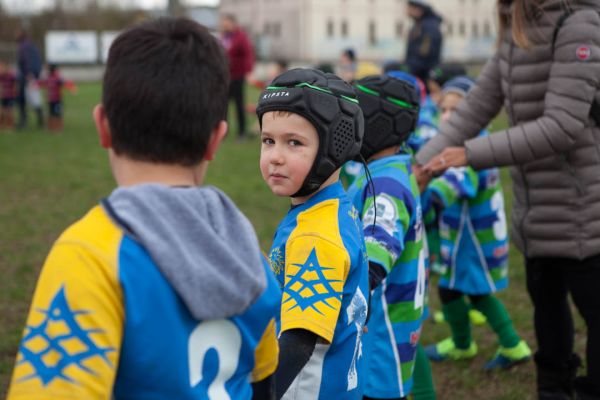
(499, 320)
(456, 314)
(422, 378)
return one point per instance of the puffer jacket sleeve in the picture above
(472, 115)
(574, 81)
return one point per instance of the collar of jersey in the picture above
(396, 158)
(334, 191)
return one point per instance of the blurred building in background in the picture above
(318, 30)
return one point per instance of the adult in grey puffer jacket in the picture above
(553, 148)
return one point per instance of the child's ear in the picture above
(216, 137)
(102, 126)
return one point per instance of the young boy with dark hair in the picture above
(160, 291)
(311, 125)
(390, 210)
(8, 94)
(54, 84)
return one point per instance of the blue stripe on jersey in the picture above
(396, 293)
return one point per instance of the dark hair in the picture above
(395, 66)
(445, 72)
(283, 64)
(350, 53)
(165, 90)
(325, 67)
(52, 68)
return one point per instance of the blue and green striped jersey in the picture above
(394, 236)
(472, 230)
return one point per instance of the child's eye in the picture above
(268, 141)
(295, 142)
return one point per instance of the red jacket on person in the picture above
(239, 52)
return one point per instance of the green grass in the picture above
(49, 181)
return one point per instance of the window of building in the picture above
(277, 29)
(372, 33)
(267, 29)
(399, 29)
(449, 28)
(330, 28)
(462, 29)
(475, 29)
(344, 29)
(487, 30)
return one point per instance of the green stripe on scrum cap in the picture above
(367, 90)
(397, 102)
(400, 103)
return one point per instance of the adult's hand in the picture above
(423, 178)
(448, 158)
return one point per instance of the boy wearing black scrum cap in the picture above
(390, 210)
(311, 125)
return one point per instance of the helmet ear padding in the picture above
(330, 105)
(391, 111)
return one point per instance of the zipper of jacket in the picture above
(520, 168)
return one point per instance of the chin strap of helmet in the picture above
(371, 185)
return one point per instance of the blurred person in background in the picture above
(241, 62)
(54, 84)
(348, 65)
(8, 94)
(424, 39)
(29, 65)
(440, 75)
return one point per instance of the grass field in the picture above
(49, 181)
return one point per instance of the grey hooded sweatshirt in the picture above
(202, 244)
(552, 144)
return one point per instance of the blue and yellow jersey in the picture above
(105, 323)
(472, 228)
(394, 235)
(319, 258)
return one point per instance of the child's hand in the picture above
(448, 158)
(423, 178)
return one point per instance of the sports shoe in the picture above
(507, 358)
(438, 317)
(446, 350)
(476, 317)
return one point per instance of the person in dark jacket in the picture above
(241, 61)
(29, 64)
(424, 39)
(547, 88)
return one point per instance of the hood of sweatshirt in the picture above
(200, 241)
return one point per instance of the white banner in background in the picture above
(78, 47)
(106, 39)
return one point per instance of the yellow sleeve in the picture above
(266, 355)
(71, 343)
(315, 274)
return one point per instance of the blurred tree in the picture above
(69, 15)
